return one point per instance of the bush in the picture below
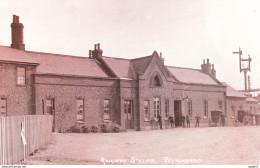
(115, 128)
(94, 129)
(105, 128)
(74, 129)
(84, 129)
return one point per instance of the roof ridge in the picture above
(60, 55)
(116, 58)
(141, 58)
(183, 68)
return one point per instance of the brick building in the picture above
(97, 89)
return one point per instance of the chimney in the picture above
(17, 34)
(206, 67)
(97, 52)
(162, 59)
(213, 72)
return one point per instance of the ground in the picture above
(212, 145)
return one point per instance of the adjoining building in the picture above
(240, 104)
(97, 88)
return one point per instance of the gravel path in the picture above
(218, 145)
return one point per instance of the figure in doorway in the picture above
(197, 118)
(171, 121)
(188, 120)
(160, 120)
(183, 121)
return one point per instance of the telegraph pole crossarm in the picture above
(244, 69)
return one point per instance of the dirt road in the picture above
(218, 145)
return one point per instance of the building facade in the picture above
(97, 88)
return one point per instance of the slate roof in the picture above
(120, 66)
(141, 64)
(192, 76)
(16, 56)
(67, 65)
(249, 97)
(231, 92)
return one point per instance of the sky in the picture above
(185, 31)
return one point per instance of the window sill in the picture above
(107, 121)
(81, 122)
(166, 118)
(147, 120)
(18, 85)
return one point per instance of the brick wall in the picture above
(173, 91)
(65, 96)
(19, 98)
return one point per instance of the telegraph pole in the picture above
(244, 69)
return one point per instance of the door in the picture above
(3, 108)
(129, 114)
(50, 110)
(177, 112)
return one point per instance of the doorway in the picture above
(50, 110)
(177, 113)
(128, 104)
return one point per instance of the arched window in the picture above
(156, 81)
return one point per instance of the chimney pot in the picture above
(207, 61)
(98, 46)
(14, 18)
(95, 46)
(160, 54)
(203, 61)
(17, 34)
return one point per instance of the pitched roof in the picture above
(251, 99)
(16, 56)
(194, 76)
(231, 92)
(120, 66)
(67, 65)
(141, 64)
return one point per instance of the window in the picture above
(220, 104)
(106, 110)
(156, 81)
(80, 110)
(146, 109)
(3, 108)
(156, 103)
(20, 76)
(166, 108)
(190, 108)
(205, 105)
(50, 106)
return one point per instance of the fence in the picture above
(37, 131)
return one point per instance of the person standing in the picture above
(183, 121)
(160, 120)
(197, 118)
(188, 120)
(223, 119)
(171, 121)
